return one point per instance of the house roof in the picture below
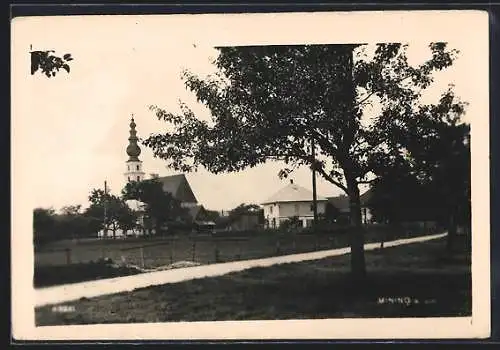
(342, 202)
(179, 187)
(293, 193)
(198, 213)
(366, 197)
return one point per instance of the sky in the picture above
(70, 132)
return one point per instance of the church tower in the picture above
(134, 165)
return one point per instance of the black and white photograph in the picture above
(251, 176)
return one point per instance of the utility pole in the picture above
(105, 229)
(315, 205)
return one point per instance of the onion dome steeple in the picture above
(134, 165)
(133, 149)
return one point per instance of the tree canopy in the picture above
(161, 206)
(43, 225)
(278, 102)
(71, 222)
(110, 212)
(433, 185)
(268, 102)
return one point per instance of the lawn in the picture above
(160, 251)
(203, 249)
(429, 283)
(52, 266)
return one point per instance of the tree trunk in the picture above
(358, 266)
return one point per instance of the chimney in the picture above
(291, 181)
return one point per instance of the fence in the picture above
(153, 253)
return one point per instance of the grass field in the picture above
(203, 249)
(52, 268)
(429, 283)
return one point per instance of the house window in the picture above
(129, 179)
(128, 168)
(271, 209)
(138, 178)
(137, 167)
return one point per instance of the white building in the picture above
(292, 201)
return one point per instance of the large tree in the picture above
(73, 223)
(44, 225)
(282, 102)
(398, 196)
(110, 212)
(448, 173)
(161, 206)
(432, 180)
(241, 210)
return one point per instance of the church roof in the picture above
(179, 187)
(195, 211)
(293, 193)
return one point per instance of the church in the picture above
(177, 185)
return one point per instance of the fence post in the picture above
(216, 253)
(68, 256)
(171, 251)
(194, 250)
(142, 257)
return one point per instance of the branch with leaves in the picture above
(48, 63)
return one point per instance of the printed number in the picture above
(63, 308)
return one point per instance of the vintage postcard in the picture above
(251, 176)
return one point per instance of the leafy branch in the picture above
(48, 63)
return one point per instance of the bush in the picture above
(64, 274)
(292, 224)
(104, 261)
